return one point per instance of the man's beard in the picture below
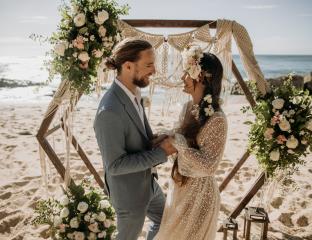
(140, 82)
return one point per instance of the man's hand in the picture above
(167, 146)
(158, 139)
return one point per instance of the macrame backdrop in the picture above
(168, 76)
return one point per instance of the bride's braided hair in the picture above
(212, 74)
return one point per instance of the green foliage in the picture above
(285, 129)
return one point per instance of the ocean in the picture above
(30, 69)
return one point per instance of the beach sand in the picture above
(21, 182)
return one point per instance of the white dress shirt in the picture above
(137, 105)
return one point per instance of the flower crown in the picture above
(191, 56)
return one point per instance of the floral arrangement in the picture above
(191, 56)
(282, 131)
(87, 33)
(83, 212)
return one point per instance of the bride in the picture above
(193, 200)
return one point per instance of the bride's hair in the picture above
(212, 74)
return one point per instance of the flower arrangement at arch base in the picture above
(87, 32)
(83, 212)
(281, 135)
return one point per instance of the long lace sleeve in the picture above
(204, 161)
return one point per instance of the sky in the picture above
(274, 26)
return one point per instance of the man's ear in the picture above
(128, 66)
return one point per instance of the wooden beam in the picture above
(243, 85)
(52, 130)
(235, 169)
(157, 23)
(246, 199)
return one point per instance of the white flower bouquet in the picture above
(83, 212)
(282, 132)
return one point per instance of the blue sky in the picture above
(275, 26)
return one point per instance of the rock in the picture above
(297, 80)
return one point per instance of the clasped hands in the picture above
(164, 141)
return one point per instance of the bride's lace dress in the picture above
(191, 211)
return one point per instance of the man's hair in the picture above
(126, 50)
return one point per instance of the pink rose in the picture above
(281, 139)
(78, 42)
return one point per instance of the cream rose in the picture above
(275, 155)
(101, 217)
(94, 227)
(284, 125)
(104, 204)
(268, 133)
(64, 200)
(102, 234)
(208, 98)
(57, 221)
(101, 17)
(60, 48)
(102, 31)
(292, 142)
(308, 125)
(74, 222)
(278, 103)
(64, 213)
(79, 235)
(97, 53)
(194, 71)
(107, 223)
(80, 20)
(92, 236)
(82, 207)
(83, 56)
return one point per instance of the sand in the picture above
(21, 182)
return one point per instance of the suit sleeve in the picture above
(110, 135)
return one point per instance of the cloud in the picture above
(34, 19)
(260, 7)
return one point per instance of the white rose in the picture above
(57, 221)
(60, 48)
(94, 227)
(74, 222)
(290, 151)
(92, 236)
(208, 98)
(92, 37)
(70, 235)
(84, 56)
(194, 71)
(102, 234)
(284, 125)
(107, 223)
(101, 217)
(308, 125)
(64, 213)
(275, 155)
(292, 142)
(98, 53)
(82, 207)
(92, 220)
(101, 17)
(209, 111)
(104, 204)
(102, 31)
(291, 112)
(86, 218)
(268, 133)
(304, 142)
(278, 103)
(79, 235)
(64, 200)
(80, 20)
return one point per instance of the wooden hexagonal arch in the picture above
(45, 130)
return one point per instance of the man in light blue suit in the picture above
(129, 149)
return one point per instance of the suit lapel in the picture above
(149, 131)
(130, 109)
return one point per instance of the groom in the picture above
(128, 147)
